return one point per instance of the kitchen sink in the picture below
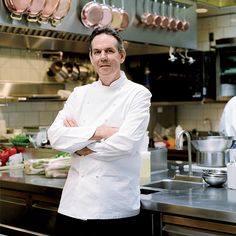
(172, 184)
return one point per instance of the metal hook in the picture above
(172, 57)
(190, 59)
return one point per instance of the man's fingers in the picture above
(70, 123)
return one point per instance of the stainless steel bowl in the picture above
(213, 143)
(214, 177)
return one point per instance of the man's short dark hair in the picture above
(108, 31)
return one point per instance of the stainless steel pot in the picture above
(213, 143)
(211, 159)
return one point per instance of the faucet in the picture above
(178, 147)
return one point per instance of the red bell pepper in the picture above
(4, 156)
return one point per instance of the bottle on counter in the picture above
(145, 172)
(178, 129)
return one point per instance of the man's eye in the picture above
(109, 51)
(96, 52)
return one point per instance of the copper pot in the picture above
(107, 15)
(116, 17)
(125, 17)
(91, 14)
(49, 8)
(165, 20)
(156, 17)
(147, 16)
(61, 11)
(17, 7)
(35, 9)
(172, 22)
(179, 23)
(184, 21)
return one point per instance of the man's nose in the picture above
(103, 54)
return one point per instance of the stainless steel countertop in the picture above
(214, 203)
(209, 202)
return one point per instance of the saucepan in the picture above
(17, 7)
(179, 23)
(91, 14)
(57, 71)
(184, 21)
(116, 17)
(147, 16)
(61, 11)
(172, 22)
(165, 20)
(157, 16)
(73, 70)
(107, 15)
(35, 9)
(48, 10)
(125, 17)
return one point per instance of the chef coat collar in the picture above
(117, 83)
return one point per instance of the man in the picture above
(103, 125)
(228, 119)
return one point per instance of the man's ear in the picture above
(91, 59)
(122, 56)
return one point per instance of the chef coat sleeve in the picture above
(70, 139)
(228, 119)
(130, 135)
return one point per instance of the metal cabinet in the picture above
(35, 213)
(173, 225)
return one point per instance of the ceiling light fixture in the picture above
(201, 10)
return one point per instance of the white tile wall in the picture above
(29, 66)
(18, 115)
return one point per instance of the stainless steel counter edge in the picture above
(208, 203)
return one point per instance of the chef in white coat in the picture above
(228, 119)
(102, 125)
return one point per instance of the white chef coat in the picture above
(105, 184)
(228, 119)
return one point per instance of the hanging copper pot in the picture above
(179, 23)
(147, 16)
(184, 21)
(107, 15)
(35, 9)
(172, 22)
(116, 17)
(61, 11)
(157, 16)
(91, 14)
(165, 20)
(125, 17)
(48, 10)
(17, 7)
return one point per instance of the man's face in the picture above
(106, 58)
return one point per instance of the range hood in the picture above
(72, 36)
(20, 92)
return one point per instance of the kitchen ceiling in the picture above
(216, 7)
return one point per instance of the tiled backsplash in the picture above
(29, 66)
(28, 114)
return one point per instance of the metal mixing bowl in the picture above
(214, 177)
(213, 143)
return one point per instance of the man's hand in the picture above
(104, 131)
(84, 152)
(70, 123)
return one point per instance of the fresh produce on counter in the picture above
(21, 140)
(5, 154)
(50, 167)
